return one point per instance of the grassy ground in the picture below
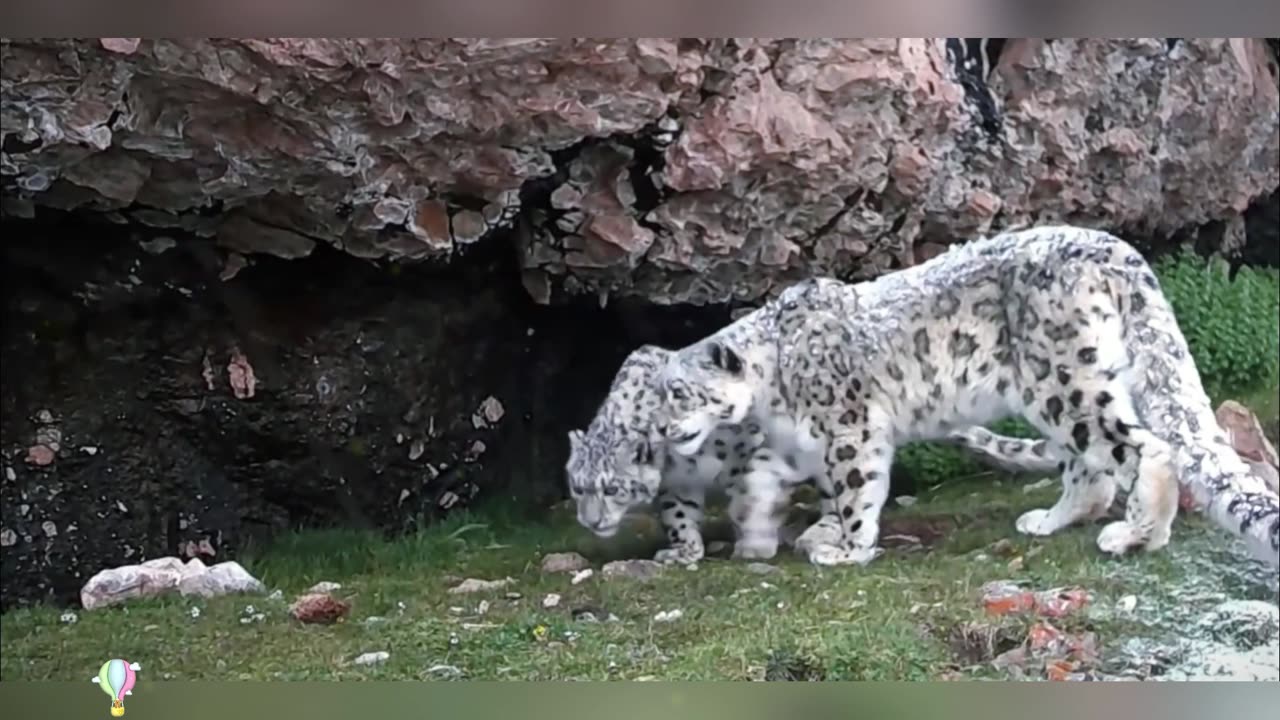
(913, 614)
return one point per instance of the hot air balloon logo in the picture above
(116, 678)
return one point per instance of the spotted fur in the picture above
(1063, 326)
(622, 462)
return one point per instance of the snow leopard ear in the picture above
(725, 358)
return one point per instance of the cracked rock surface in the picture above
(675, 170)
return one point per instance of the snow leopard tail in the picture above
(1010, 454)
(1169, 396)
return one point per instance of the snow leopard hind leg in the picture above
(1075, 389)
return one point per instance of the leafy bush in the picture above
(1232, 326)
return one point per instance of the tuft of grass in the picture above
(895, 619)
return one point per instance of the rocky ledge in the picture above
(678, 170)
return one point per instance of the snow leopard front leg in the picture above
(757, 501)
(859, 457)
(681, 513)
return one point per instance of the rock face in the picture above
(678, 170)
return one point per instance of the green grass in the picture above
(898, 618)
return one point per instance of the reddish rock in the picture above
(850, 149)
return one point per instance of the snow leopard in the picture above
(1066, 327)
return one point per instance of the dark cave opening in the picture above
(370, 379)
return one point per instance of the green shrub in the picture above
(1232, 326)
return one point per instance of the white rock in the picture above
(668, 616)
(324, 586)
(373, 658)
(905, 500)
(563, 562)
(473, 585)
(581, 576)
(551, 600)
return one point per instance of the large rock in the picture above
(677, 170)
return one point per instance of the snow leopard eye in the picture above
(611, 490)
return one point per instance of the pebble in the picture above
(581, 576)
(1127, 604)
(324, 587)
(69, 618)
(905, 500)
(668, 616)
(444, 671)
(760, 568)
(473, 585)
(642, 570)
(373, 658)
(1039, 485)
(551, 600)
(483, 607)
(564, 562)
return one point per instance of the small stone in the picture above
(1004, 547)
(1039, 485)
(89, 450)
(760, 568)
(444, 671)
(483, 607)
(10, 474)
(276, 595)
(981, 557)
(1016, 564)
(551, 601)
(1127, 604)
(319, 608)
(44, 416)
(564, 562)
(50, 530)
(489, 413)
(323, 586)
(68, 618)
(468, 226)
(473, 585)
(905, 500)
(40, 455)
(513, 596)
(374, 620)
(640, 570)
(667, 616)
(373, 658)
(416, 449)
(581, 576)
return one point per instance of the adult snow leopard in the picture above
(1064, 326)
(622, 462)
